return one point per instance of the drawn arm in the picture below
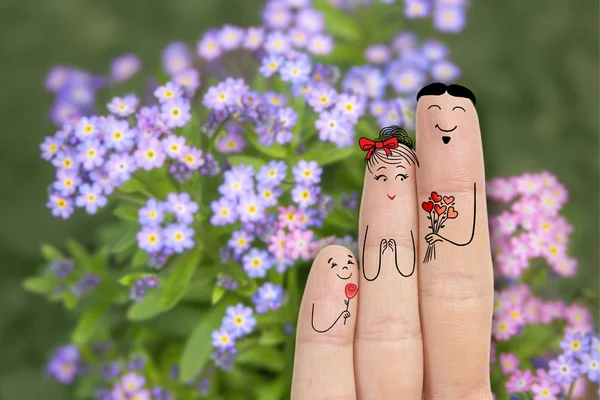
(363, 256)
(474, 220)
(312, 320)
(414, 256)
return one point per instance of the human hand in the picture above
(424, 335)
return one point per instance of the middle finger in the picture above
(388, 344)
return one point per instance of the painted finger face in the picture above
(447, 119)
(342, 267)
(387, 176)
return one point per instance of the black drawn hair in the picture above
(438, 89)
(404, 151)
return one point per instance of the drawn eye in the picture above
(458, 107)
(333, 265)
(402, 176)
(381, 176)
(434, 105)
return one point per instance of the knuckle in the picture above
(394, 329)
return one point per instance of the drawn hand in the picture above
(432, 238)
(346, 314)
(383, 245)
(392, 245)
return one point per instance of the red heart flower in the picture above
(448, 199)
(428, 206)
(351, 290)
(440, 210)
(452, 213)
(436, 197)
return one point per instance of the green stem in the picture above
(571, 389)
(131, 199)
(530, 395)
(213, 140)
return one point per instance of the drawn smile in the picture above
(391, 197)
(349, 276)
(444, 130)
(446, 139)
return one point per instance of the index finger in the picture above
(455, 265)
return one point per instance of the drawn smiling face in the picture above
(343, 272)
(446, 117)
(389, 177)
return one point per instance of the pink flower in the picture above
(528, 184)
(519, 382)
(544, 387)
(576, 314)
(565, 266)
(507, 223)
(552, 200)
(509, 363)
(289, 217)
(501, 189)
(551, 310)
(579, 391)
(503, 327)
(298, 244)
(548, 180)
(531, 311)
(277, 244)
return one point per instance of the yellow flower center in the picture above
(68, 183)
(553, 250)
(503, 327)
(307, 173)
(52, 148)
(291, 216)
(189, 159)
(349, 107)
(324, 99)
(256, 262)
(88, 129)
(241, 242)
(152, 239)
(305, 195)
(67, 163)
(224, 211)
(318, 76)
(575, 345)
(122, 106)
(175, 112)
(224, 339)
(174, 148)
(546, 226)
(152, 214)
(150, 154)
(222, 96)
(239, 320)
(275, 101)
(273, 65)
(235, 186)
(91, 197)
(178, 236)
(117, 135)
(231, 144)
(267, 194)
(61, 203)
(515, 314)
(272, 172)
(168, 94)
(252, 209)
(91, 153)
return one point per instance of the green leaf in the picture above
(236, 160)
(70, 300)
(88, 324)
(338, 22)
(217, 295)
(272, 337)
(198, 347)
(259, 83)
(130, 279)
(100, 259)
(128, 239)
(274, 151)
(274, 390)
(341, 218)
(86, 386)
(148, 307)
(192, 132)
(326, 153)
(80, 254)
(179, 278)
(50, 253)
(179, 321)
(127, 211)
(247, 289)
(343, 54)
(133, 185)
(264, 357)
(43, 285)
(140, 259)
(299, 105)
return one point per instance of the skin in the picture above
(455, 289)
(428, 335)
(388, 343)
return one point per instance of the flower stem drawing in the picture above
(440, 209)
(350, 290)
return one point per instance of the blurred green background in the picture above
(533, 66)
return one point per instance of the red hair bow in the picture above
(371, 146)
